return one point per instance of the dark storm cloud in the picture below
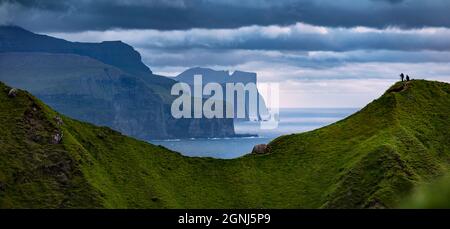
(299, 45)
(41, 4)
(299, 37)
(390, 1)
(314, 60)
(183, 14)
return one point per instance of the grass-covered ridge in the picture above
(370, 159)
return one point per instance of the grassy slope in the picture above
(432, 196)
(371, 159)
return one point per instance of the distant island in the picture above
(102, 83)
(223, 78)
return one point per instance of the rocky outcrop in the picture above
(261, 149)
(12, 93)
(57, 137)
(58, 121)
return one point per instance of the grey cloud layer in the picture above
(79, 15)
(323, 52)
(299, 37)
(315, 60)
(298, 46)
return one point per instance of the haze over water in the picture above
(292, 120)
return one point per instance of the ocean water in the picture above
(292, 120)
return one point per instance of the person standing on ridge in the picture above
(407, 77)
(402, 76)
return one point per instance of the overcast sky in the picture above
(324, 53)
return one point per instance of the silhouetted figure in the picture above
(407, 78)
(402, 76)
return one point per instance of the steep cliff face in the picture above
(224, 77)
(115, 53)
(214, 76)
(105, 84)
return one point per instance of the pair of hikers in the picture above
(402, 76)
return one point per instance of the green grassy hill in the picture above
(373, 158)
(435, 195)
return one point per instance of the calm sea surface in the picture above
(291, 121)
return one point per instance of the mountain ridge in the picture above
(371, 159)
(103, 83)
(116, 53)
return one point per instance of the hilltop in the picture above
(372, 159)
